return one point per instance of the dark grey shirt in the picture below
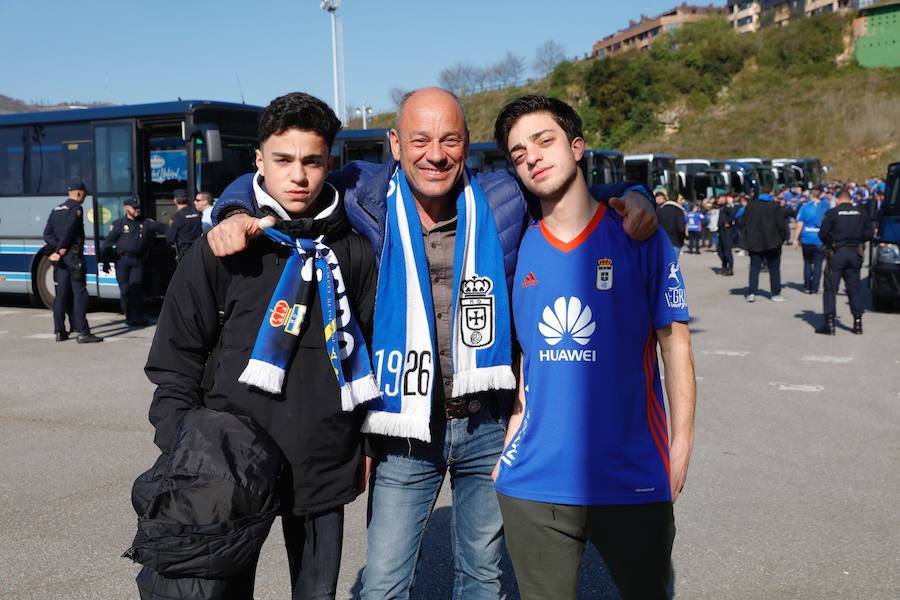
(439, 246)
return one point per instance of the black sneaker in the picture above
(61, 336)
(88, 338)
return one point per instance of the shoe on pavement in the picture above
(61, 336)
(750, 298)
(778, 298)
(88, 338)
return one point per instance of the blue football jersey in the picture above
(595, 429)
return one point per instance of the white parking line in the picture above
(796, 387)
(828, 359)
(4, 313)
(726, 352)
(41, 336)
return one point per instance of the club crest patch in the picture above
(477, 312)
(604, 274)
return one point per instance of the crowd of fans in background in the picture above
(761, 225)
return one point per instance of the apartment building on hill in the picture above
(641, 34)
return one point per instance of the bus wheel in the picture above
(43, 282)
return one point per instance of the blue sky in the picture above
(133, 52)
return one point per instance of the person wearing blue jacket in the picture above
(462, 433)
(806, 235)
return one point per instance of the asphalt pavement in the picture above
(792, 491)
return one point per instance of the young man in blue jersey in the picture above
(588, 453)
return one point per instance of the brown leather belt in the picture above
(462, 408)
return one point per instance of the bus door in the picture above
(166, 168)
(114, 182)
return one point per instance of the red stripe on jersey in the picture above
(657, 425)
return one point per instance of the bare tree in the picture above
(510, 70)
(397, 96)
(546, 57)
(462, 78)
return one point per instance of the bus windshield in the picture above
(238, 136)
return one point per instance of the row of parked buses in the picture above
(150, 150)
(696, 178)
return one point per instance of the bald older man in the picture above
(462, 433)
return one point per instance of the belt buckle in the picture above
(474, 406)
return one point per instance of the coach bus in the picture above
(144, 150)
(810, 173)
(372, 145)
(884, 251)
(486, 157)
(699, 180)
(603, 166)
(654, 171)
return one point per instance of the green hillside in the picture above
(705, 91)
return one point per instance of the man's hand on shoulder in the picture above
(234, 233)
(639, 216)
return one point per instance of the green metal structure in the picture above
(880, 46)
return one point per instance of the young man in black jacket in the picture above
(299, 368)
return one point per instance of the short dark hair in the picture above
(843, 194)
(564, 115)
(298, 111)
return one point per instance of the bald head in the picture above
(429, 95)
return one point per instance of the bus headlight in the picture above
(888, 254)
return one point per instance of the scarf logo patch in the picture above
(477, 308)
(289, 317)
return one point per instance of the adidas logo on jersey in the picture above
(568, 319)
(530, 280)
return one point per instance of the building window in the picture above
(745, 21)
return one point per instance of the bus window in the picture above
(637, 171)
(115, 175)
(58, 155)
(12, 160)
(238, 137)
(367, 151)
(168, 172)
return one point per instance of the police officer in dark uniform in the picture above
(186, 225)
(845, 229)
(726, 237)
(128, 242)
(64, 236)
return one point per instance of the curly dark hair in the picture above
(300, 111)
(564, 115)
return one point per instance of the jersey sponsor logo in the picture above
(570, 319)
(477, 311)
(530, 280)
(604, 274)
(675, 287)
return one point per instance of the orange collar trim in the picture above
(569, 246)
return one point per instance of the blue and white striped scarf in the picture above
(282, 324)
(404, 337)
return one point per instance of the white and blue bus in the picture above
(145, 150)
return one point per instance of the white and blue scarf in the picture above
(282, 324)
(404, 337)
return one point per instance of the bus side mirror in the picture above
(213, 141)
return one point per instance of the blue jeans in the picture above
(408, 475)
(812, 266)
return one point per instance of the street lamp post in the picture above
(337, 56)
(364, 111)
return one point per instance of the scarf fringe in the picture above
(263, 375)
(499, 377)
(397, 425)
(354, 393)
